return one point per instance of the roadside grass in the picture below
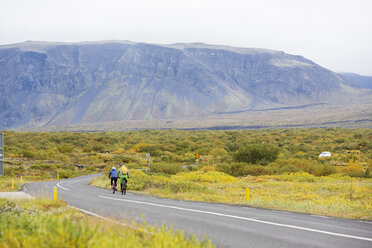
(47, 223)
(26, 171)
(334, 195)
(6, 183)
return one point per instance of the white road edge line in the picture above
(319, 216)
(367, 222)
(61, 186)
(241, 218)
(113, 221)
(71, 181)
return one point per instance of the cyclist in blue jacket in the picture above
(114, 177)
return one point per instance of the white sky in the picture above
(336, 34)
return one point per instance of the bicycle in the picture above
(114, 188)
(124, 187)
(113, 185)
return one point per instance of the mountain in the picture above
(57, 84)
(362, 81)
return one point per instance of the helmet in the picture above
(113, 168)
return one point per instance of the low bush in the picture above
(154, 150)
(256, 170)
(186, 186)
(254, 154)
(243, 169)
(63, 173)
(43, 167)
(123, 159)
(301, 165)
(324, 170)
(353, 170)
(166, 168)
(13, 171)
(28, 154)
(64, 148)
(202, 176)
(299, 177)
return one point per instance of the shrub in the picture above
(28, 154)
(279, 167)
(256, 170)
(339, 141)
(123, 159)
(204, 177)
(218, 152)
(13, 170)
(65, 173)
(98, 147)
(296, 165)
(64, 148)
(137, 147)
(152, 149)
(243, 169)
(299, 177)
(171, 157)
(185, 186)
(254, 154)
(87, 148)
(353, 170)
(42, 167)
(324, 170)
(230, 168)
(166, 168)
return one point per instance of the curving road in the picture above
(225, 225)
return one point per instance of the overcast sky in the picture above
(336, 34)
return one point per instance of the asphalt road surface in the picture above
(226, 226)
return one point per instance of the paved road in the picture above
(226, 226)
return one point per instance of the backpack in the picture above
(124, 170)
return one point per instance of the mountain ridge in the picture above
(57, 84)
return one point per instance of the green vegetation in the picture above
(46, 223)
(238, 153)
(257, 154)
(229, 162)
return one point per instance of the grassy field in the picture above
(280, 166)
(46, 223)
(335, 195)
(280, 151)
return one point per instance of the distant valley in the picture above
(120, 85)
(362, 81)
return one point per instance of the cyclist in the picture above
(123, 173)
(114, 177)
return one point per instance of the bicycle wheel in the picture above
(125, 188)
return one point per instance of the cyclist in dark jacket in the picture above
(114, 176)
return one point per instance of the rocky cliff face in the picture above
(45, 84)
